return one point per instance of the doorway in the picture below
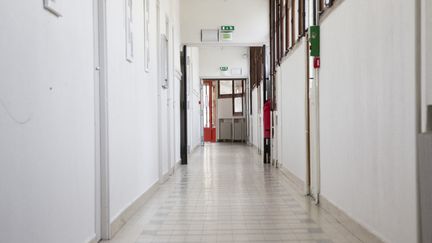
(209, 116)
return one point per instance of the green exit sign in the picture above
(314, 40)
(224, 69)
(227, 28)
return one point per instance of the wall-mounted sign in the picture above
(227, 28)
(226, 36)
(314, 35)
(224, 71)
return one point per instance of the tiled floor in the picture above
(226, 194)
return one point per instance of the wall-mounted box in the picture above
(236, 71)
(209, 35)
(53, 6)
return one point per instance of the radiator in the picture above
(225, 130)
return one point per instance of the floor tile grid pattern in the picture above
(226, 194)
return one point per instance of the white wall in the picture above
(133, 106)
(47, 152)
(292, 111)
(250, 18)
(368, 115)
(212, 58)
(255, 120)
(193, 98)
(429, 51)
(426, 59)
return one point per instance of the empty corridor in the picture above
(226, 194)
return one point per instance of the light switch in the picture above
(53, 6)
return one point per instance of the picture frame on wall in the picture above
(147, 35)
(53, 6)
(129, 31)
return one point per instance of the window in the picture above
(238, 106)
(281, 29)
(238, 87)
(287, 25)
(277, 25)
(293, 22)
(301, 17)
(233, 89)
(325, 4)
(225, 88)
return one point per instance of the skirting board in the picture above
(256, 147)
(122, 219)
(194, 148)
(349, 223)
(299, 184)
(93, 241)
(177, 165)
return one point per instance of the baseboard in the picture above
(194, 148)
(177, 164)
(298, 183)
(360, 231)
(122, 219)
(166, 176)
(256, 147)
(349, 223)
(93, 240)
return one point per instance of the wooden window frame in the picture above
(277, 25)
(323, 6)
(272, 38)
(301, 19)
(280, 20)
(233, 95)
(223, 96)
(293, 23)
(287, 27)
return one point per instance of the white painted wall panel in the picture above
(257, 132)
(212, 58)
(429, 50)
(426, 60)
(132, 110)
(292, 111)
(368, 115)
(133, 106)
(194, 93)
(47, 152)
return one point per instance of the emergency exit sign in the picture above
(227, 28)
(224, 69)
